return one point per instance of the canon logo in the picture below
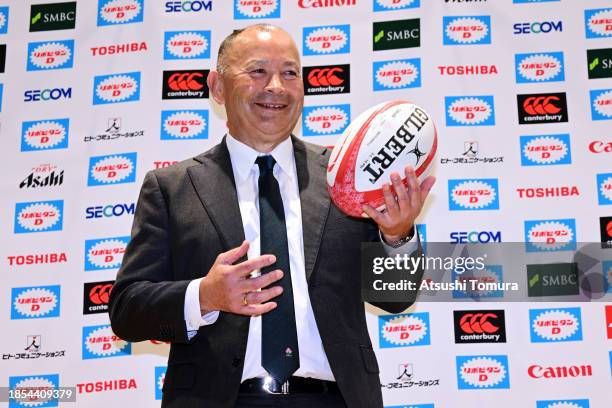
(325, 3)
(537, 371)
(599, 146)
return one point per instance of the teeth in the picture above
(269, 105)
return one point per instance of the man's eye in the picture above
(292, 74)
(258, 71)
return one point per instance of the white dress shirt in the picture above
(313, 360)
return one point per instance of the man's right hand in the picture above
(226, 286)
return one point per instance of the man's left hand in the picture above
(403, 207)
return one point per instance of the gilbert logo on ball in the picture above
(384, 139)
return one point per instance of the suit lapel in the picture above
(214, 183)
(311, 165)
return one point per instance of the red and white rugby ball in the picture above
(384, 139)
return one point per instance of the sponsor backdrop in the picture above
(93, 94)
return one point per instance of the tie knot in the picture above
(265, 163)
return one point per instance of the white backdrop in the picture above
(82, 119)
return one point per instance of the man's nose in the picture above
(275, 84)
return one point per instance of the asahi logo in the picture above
(43, 175)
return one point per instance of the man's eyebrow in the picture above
(265, 61)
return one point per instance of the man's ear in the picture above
(215, 85)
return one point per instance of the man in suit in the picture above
(240, 260)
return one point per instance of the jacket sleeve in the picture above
(146, 303)
(398, 307)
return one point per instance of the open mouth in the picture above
(271, 106)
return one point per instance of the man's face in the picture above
(261, 87)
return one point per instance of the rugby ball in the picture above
(384, 139)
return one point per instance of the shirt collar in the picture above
(243, 156)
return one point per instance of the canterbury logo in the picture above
(185, 82)
(100, 294)
(541, 105)
(325, 77)
(478, 323)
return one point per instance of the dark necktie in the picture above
(279, 346)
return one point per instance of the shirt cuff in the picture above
(407, 248)
(193, 317)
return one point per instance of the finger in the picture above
(265, 280)
(254, 298)
(371, 212)
(245, 268)
(401, 192)
(426, 186)
(256, 310)
(234, 254)
(390, 202)
(413, 186)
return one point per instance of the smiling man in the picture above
(241, 261)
